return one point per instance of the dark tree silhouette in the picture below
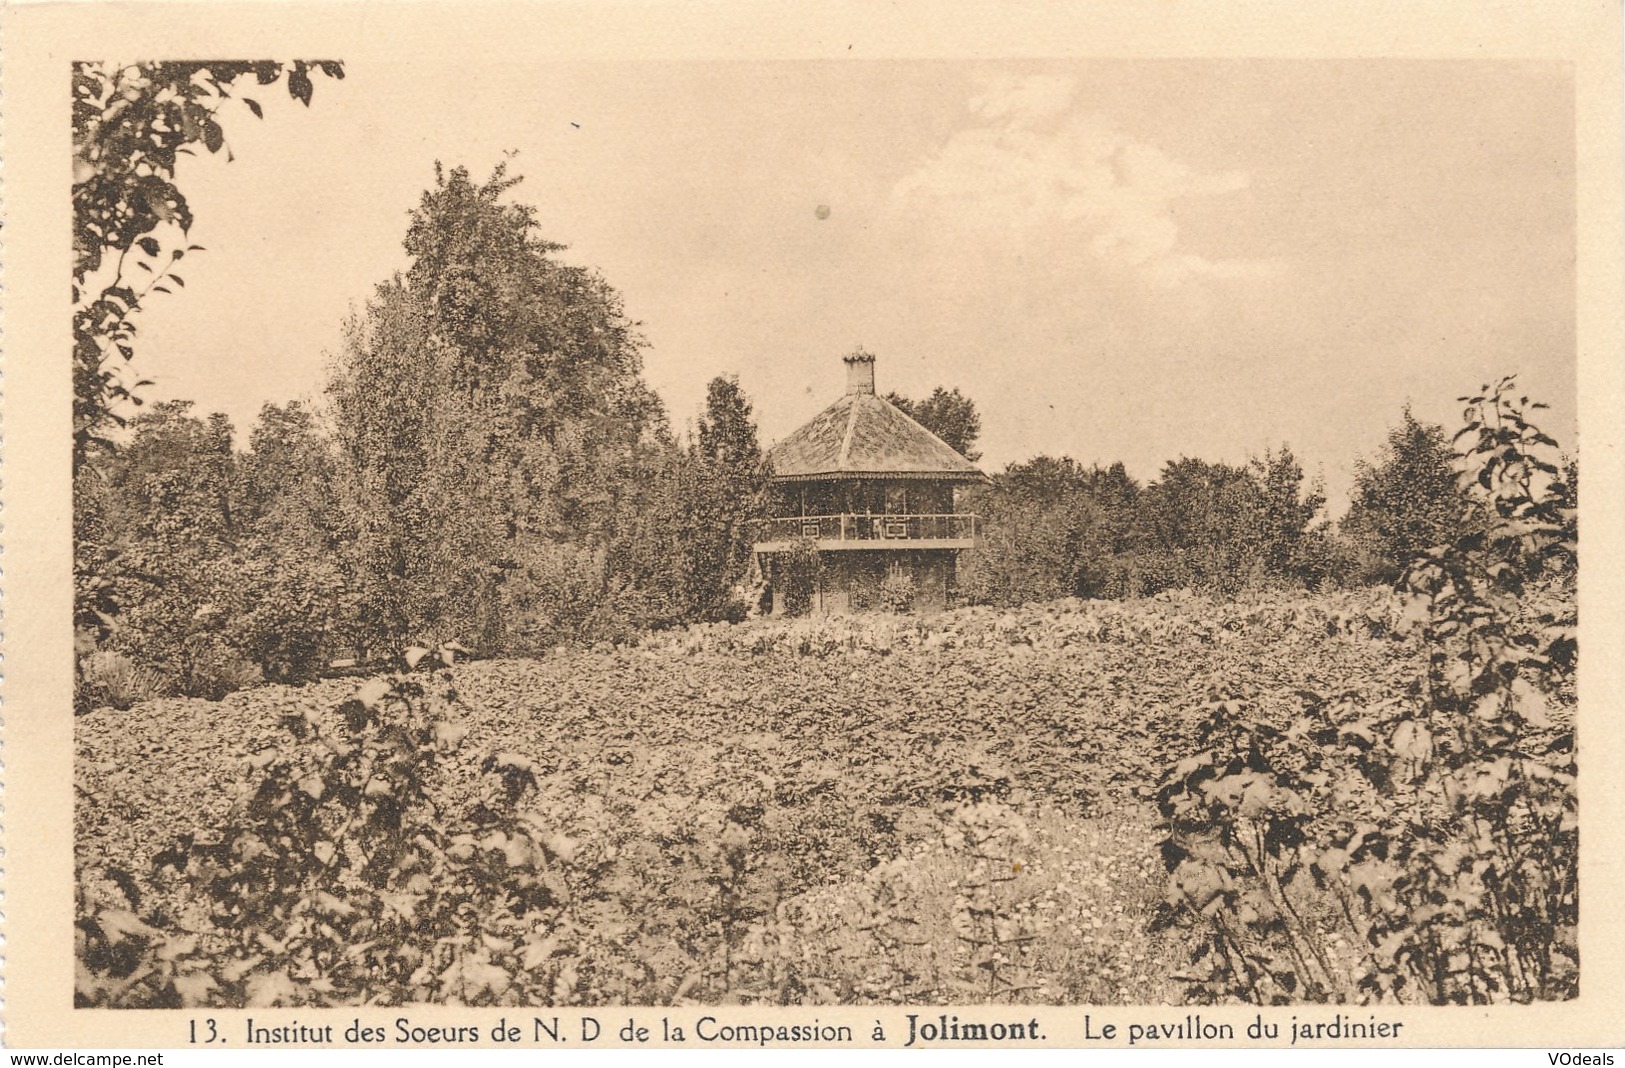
(948, 414)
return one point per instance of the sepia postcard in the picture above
(566, 526)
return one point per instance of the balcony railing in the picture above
(849, 528)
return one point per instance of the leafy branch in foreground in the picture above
(335, 871)
(131, 125)
(1423, 848)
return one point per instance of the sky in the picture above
(1134, 260)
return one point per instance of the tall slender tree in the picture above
(734, 483)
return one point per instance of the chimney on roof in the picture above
(860, 372)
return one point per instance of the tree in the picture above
(1221, 527)
(169, 507)
(1202, 526)
(1294, 547)
(734, 476)
(288, 467)
(131, 124)
(684, 553)
(495, 435)
(948, 414)
(294, 608)
(1053, 528)
(1407, 501)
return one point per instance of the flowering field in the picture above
(871, 809)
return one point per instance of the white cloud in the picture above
(1028, 164)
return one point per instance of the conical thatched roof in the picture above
(865, 436)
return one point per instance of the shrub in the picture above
(897, 591)
(285, 611)
(552, 594)
(213, 668)
(1422, 847)
(337, 878)
(111, 678)
(800, 573)
(1147, 573)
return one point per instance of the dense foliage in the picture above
(1422, 846)
(488, 412)
(489, 467)
(890, 808)
(1406, 502)
(1058, 529)
(217, 571)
